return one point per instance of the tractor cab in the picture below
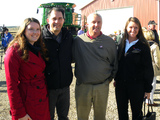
(72, 19)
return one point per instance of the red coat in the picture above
(26, 86)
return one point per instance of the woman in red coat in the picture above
(24, 68)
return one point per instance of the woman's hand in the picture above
(147, 95)
(26, 117)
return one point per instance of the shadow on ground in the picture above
(3, 91)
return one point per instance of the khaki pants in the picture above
(87, 95)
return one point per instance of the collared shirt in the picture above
(91, 37)
(128, 45)
(80, 32)
(58, 37)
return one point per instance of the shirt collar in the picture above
(131, 43)
(91, 37)
(128, 45)
(58, 37)
(51, 31)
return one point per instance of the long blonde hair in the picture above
(149, 35)
(21, 40)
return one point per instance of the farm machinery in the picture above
(72, 19)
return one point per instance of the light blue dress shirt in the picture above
(128, 45)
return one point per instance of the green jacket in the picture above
(95, 60)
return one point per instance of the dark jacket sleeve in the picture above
(148, 70)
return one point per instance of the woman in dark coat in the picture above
(133, 81)
(24, 68)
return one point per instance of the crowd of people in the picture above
(39, 73)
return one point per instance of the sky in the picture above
(13, 12)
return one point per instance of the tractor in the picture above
(72, 19)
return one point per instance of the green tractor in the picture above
(72, 19)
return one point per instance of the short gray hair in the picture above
(91, 15)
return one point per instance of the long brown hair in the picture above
(21, 40)
(140, 35)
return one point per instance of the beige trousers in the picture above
(87, 95)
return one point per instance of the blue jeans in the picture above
(59, 99)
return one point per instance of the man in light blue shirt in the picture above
(81, 31)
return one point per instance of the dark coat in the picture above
(156, 37)
(26, 86)
(136, 66)
(58, 68)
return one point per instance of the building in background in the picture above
(115, 13)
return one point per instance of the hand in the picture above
(26, 117)
(147, 95)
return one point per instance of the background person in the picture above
(135, 72)
(155, 53)
(119, 37)
(152, 26)
(58, 41)
(81, 31)
(6, 38)
(95, 58)
(24, 68)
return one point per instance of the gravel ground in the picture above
(111, 112)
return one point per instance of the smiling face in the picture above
(132, 30)
(32, 32)
(55, 21)
(94, 25)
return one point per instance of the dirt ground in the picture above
(111, 112)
